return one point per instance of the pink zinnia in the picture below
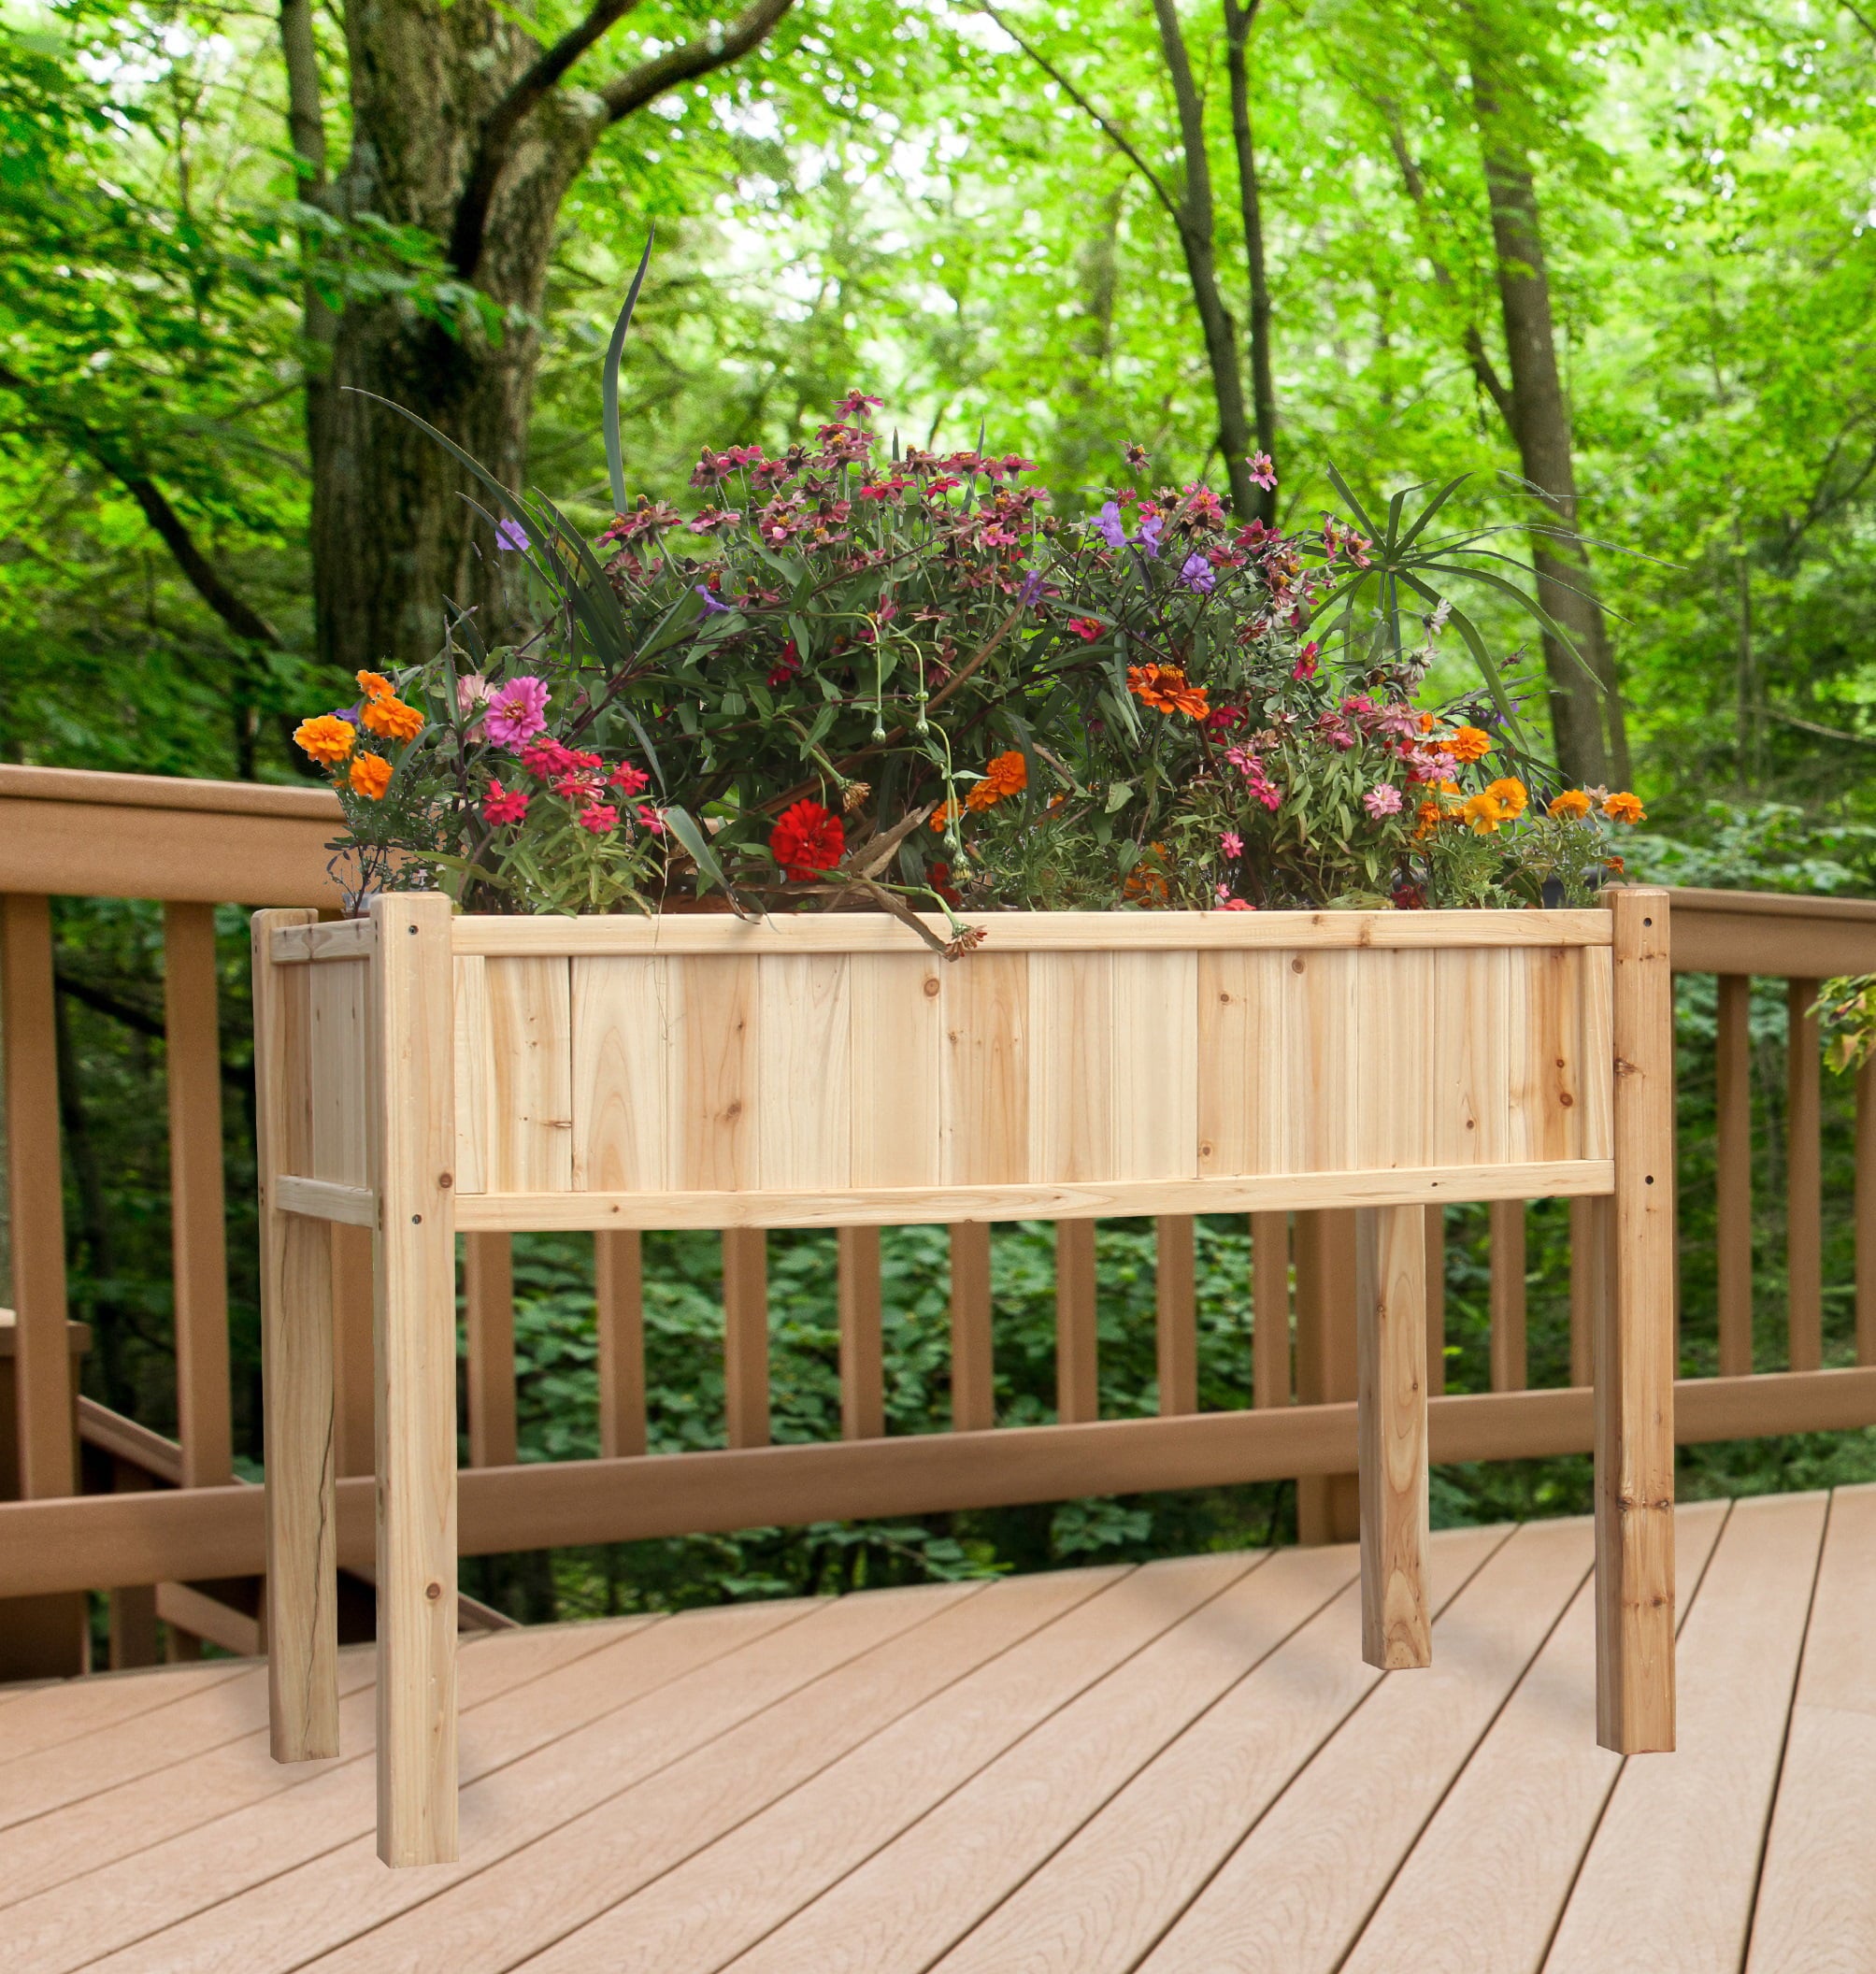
(598, 817)
(1231, 843)
(651, 819)
(1234, 905)
(471, 690)
(628, 780)
(1382, 799)
(499, 805)
(517, 712)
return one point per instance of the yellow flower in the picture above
(326, 737)
(1572, 805)
(1510, 792)
(387, 715)
(370, 776)
(1623, 808)
(374, 685)
(1484, 812)
(1007, 774)
(1469, 743)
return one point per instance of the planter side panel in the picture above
(827, 1071)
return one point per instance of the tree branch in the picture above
(494, 141)
(1113, 134)
(639, 86)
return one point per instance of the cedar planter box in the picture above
(423, 1074)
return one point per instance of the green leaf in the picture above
(608, 379)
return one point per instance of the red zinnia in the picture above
(806, 840)
(1087, 629)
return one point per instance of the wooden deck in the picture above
(1179, 1767)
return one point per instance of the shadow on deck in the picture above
(1185, 1767)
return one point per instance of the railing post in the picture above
(1733, 1174)
(296, 1367)
(1176, 1300)
(1328, 1507)
(489, 1304)
(1635, 1350)
(1436, 1301)
(416, 1381)
(1270, 1308)
(1804, 1197)
(862, 1405)
(354, 1433)
(619, 1314)
(198, 1227)
(1511, 1370)
(1391, 1323)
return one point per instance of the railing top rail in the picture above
(172, 792)
(1776, 905)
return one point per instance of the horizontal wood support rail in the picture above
(102, 1540)
(1771, 934)
(930, 1206)
(326, 1199)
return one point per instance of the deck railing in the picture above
(165, 1528)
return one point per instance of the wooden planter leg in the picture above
(415, 1354)
(296, 1372)
(1391, 1352)
(1635, 1350)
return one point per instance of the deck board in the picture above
(1105, 1771)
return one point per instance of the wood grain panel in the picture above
(1155, 1064)
(985, 1113)
(1073, 1127)
(472, 1073)
(897, 1051)
(1556, 1041)
(803, 1075)
(530, 1076)
(341, 1088)
(713, 1073)
(1321, 1049)
(1396, 1019)
(623, 1032)
(1596, 1095)
(1245, 1098)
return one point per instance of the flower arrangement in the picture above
(858, 674)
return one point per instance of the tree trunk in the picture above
(1539, 418)
(1195, 237)
(1237, 21)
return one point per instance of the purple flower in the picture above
(1196, 573)
(1382, 799)
(711, 607)
(1110, 527)
(517, 712)
(511, 538)
(1150, 530)
(1031, 593)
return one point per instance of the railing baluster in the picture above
(1866, 1214)
(1509, 1356)
(1328, 1506)
(1436, 1301)
(1176, 1298)
(1270, 1308)
(1078, 1393)
(973, 1382)
(42, 1363)
(1733, 1174)
(618, 1315)
(1804, 1192)
(198, 1239)
(489, 1299)
(1588, 1284)
(353, 1379)
(862, 1404)
(745, 1336)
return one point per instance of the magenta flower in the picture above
(517, 712)
(504, 806)
(1263, 473)
(1231, 843)
(629, 781)
(598, 817)
(1382, 799)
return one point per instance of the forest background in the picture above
(1620, 255)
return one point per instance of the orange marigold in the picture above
(1484, 812)
(326, 737)
(1469, 743)
(391, 718)
(1510, 792)
(945, 814)
(1428, 818)
(374, 685)
(1007, 774)
(1145, 883)
(370, 776)
(1573, 805)
(1625, 809)
(1165, 689)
